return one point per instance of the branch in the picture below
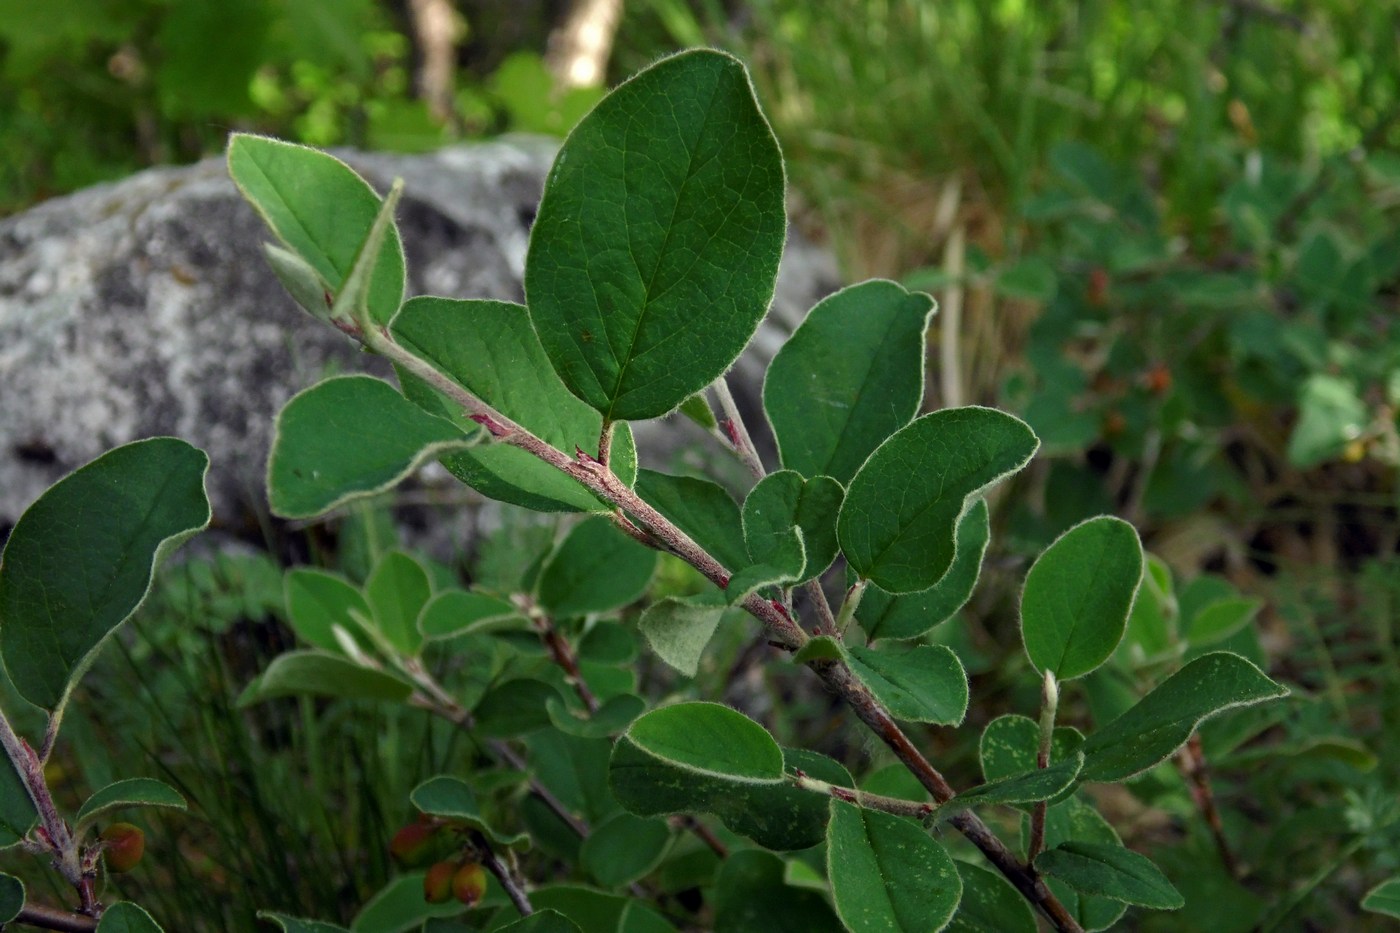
(781, 629)
(1192, 763)
(51, 918)
(895, 805)
(514, 887)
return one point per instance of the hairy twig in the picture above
(510, 883)
(1192, 762)
(782, 630)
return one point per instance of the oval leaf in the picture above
(751, 895)
(624, 848)
(898, 524)
(1078, 594)
(990, 904)
(297, 925)
(1384, 898)
(887, 873)
(925, 683)
(452, 799)
(321, 211)
(655, 250)
(1162, 721)
(132, 792)
(709, 738)
(317, 602)
(349, 437)
(596, 569)
(914, 614)
(398, 589)
(11, 897)
(1110, 871)
(458, 612)
(700, 508)
(399, 907)
(679, 628)
(81, 558)
(850, 376)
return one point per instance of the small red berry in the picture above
(437, 883)
(123, 847)
(412, 844)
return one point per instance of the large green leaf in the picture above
(1078, 594)
(850, 376)
(1076, 821)
(783, 500)
(312, 673)
(1162, 721)
(912, 615)
(710, 739)
(1110, 871)
(596, 569)
(655, 250)
(700, 508)
(321, 211)
(459, 612)
(452, 798)
(990, 904)
(1030, 786)
(346, 438)
(126, 917)
(490, 349)
(80, 560)
(751, 895)
(888, 873)
(899, 521)
(132, 792)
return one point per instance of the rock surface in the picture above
(145, 307)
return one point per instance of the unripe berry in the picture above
(437, 883)
(469, 884)
(125, 844)
(413, 844)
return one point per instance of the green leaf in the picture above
(452, 798)
(321, 211)
(1010, 743)
(596, 912)
(298, 925)
(1110, 871)
(317, 602)
(678, 628)
(1074, 608)
(697, 408)
(990, 904)
(700, 508)
(771, 812)
(300, 279)
(887, 873)
(81, 558)
(352, 302)
(132, 792)
(596, 569)
(299, 673)
(850, 376)
(126, 917)
(512, 708)
(784, 567)
(655, 250)
(709, 739)
(346, 438)
(1162, 721)
(1076, 821)
(490, 349)
(11, 897)
(17, 813)
(751, 895)
(1030, 786)
(1219, 620)
(1330, 414)
(458, 612)
(1384, 898)
(624, 848)
(542, 921)
(923, 683)
(783, 500)
(897, 526)
(612, 717)
(398, 589)
(399, 907)
(912, 615)
(1031, 279)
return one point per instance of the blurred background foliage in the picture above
(1167, 233)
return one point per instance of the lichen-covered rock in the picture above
(145, 307)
